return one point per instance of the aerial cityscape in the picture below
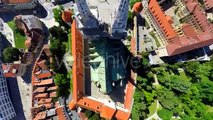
(106, 59)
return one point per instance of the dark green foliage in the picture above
(57, 15)
(59, 33)
(92, 115)
(167, 98)
(140, 107)
(11, 54)
(63, 84)
(185, 92)
(165, 114)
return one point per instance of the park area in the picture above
(184, 91)
(19, 36)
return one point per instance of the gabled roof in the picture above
(44, 82)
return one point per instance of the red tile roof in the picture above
(10, 70)
(52, 88)
(138, 7)
(41, 116)
(198, 13)
(187, 43)
(60, 113)
(41, 95)
(44, 75)
(44, 82)
(67, 16)
(39, 90)
(43, 101)
(42, 64)
(53, 94)
(161, 19)
(208, 4)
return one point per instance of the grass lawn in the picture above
(19, 38)
(156, 40)
(69, 43)
(152, 108)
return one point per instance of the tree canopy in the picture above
(11, 54)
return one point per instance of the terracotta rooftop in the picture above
(39, 90)
(42, 64)
(106, 111)
(48, 105)
(198, 13)
(67, 16)
(161, 19)
(41, 116)
(43, 101)
(138, 7)
(187, 43)
(42, 95)
(53, 94)
(44, 82)
(208, 4)
(44, 75)
(60, 113)
(52, 88)
(10, 70)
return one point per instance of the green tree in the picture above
(165, 114)
(63, 84)
(57, 15)
(57, 48)
(206, 90)
(59, 33)
(11, 54)
(167, 98)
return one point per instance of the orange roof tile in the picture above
(107, 112)
(188, 43)
(52, 88)
(208, 4)
(67, 16)
(72, 105)
(198, 13)
(53, 94)
(133, 46)
(44, 82)
(10, 70)
(137, 7)
(44, 75)
(41, 116)
(48, 105)
(77, 69)
(39, 90)
(60, 113)
(121, 115)
(42, 64)
(161, 19)
(43, 101)
(90, 104)
(42, 95)
(129, 96)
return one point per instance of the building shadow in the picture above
(15, 98)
